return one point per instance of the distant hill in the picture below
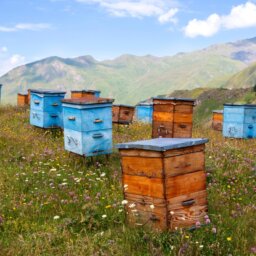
(130, 79)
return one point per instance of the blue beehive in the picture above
(144, 112)
(46, 108)
(239, 121)
(88, 126)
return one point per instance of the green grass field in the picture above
(52, 203)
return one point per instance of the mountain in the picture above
(130, 79)
(243, 79)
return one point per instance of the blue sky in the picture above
(35, 29)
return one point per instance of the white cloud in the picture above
(10, 61)
(240, 16)
(169, 16)
(163, 10)
(3, 49)
(25, 26)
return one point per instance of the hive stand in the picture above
(164, 182)
(143, 112)
(239, 121)
(172, 117)
(122, 114)
(88, 126)
(46, 108)
(87, 94)
(217, 120)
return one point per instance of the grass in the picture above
(51, 203)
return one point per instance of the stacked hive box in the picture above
(144, 112)
(46, 108)
(239, 121)
(88, 126)
(217, 119)
(87, 94)
(172, 118)
(22, 99)
(164, 182)
(122, 114)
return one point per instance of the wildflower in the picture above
(104, 216)
(103, 174)
(198, 224)
(56, 217)
(124, 202)
(152, 206)
(120, 210)
(207, 221)
(132, 205)
(214, 230)
(108, 206)
(201, 246)
(187, 236)
(253, 249)
(229, 238)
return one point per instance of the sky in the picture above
(34, 29)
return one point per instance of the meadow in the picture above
(55, 203)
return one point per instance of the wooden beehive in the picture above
(217, 120)
(172, 118)
(122, 114)
(22, 99)
(87, 94)
(164, 182)
(239, 121)
(88, 126)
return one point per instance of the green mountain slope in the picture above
(243, 79)
(130, 79)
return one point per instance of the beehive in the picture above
(22, 99)
(143, 112)
(217, 120)
(87, 94)
(164, 182)
(239, 121)
(122, 114)
(172, 117)
(88, 126)
(46, 108)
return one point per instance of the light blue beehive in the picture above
(144, 112)
(46, 108)
(239, 121)
(88, 126)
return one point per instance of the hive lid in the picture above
(85, 91)
(239, 105)
(218, 111)
(123, 105)
(162, 144)
(145, 104)
(47, 91)
(85, 101)
(174, 98)
(23, 93)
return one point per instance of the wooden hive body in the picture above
(88, 126)
(217, 120)
(164, 189)
(46, 108)
(239, 121)
(172, 118)
(86, 94)
(22, 99)
(143, 112)
(122, 114)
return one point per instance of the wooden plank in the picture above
(163, 116)
(186, 216)
(162, 129)
(140, 152)
(145, 186)
(183, 118)
(182, 151)
(115, 114)
(185, 184)
(143, 166)
(182, 130)
(163, 108)
(185, 163)
(186, 109)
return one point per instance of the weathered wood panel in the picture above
(182, 130)
(22, 100)
(185, 184)
(163, 116)
(162, 129)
